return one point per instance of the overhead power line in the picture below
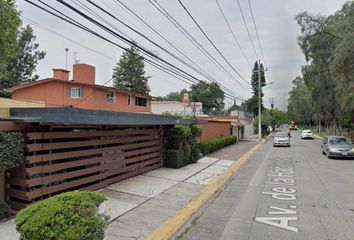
(104, 55)
(211, 42)
(255, 28)
(248, 32)
(184, 32)
(145, 37)
(203, 72)
(77, 24)
(30, 21)
(233, 34)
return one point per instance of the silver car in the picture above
(337, 146)
(281, 139)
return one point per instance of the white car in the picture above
(306, 134)
(281, 139)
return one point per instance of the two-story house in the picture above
(80, 92)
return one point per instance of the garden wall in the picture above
(215, 129)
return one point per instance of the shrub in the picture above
(174, 158)
(11, 150)
(215, 144)
(181, 137)
(3, 208)
(196, 131)
(187, 153)
(183, 131)
(195, 154)
(177, 136)
(70, 215)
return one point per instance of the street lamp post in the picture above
(259, 101)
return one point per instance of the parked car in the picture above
(337, 146)
(281, 139)
(306, 134)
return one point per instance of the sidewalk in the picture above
(140, 204)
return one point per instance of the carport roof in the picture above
(77, 116)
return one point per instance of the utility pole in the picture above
(259, 102)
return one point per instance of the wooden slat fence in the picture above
(62, 158)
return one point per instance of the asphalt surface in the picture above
(281, 193)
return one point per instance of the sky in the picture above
(277, 31)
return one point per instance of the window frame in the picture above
(114, 97)
(79, 92)
(137, 102)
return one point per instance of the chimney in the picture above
(61, 74)
(84, 73)
(186, 99)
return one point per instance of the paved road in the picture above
(281, 193)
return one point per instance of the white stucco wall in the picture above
(174, 107)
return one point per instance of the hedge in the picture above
(174, 159)
(70, 216)
(11, 150)
(215, 144)
(181, 143)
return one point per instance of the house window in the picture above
(129, 99)
(140, 101)
(76, 92)
(111, 97)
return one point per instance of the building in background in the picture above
(245, 125)
(186, 107)
(80, 92)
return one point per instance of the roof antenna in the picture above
(66, 58)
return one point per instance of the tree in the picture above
(19, 52)
(234, 107)
(317, 44)
(129, 73)
(251, 104)
(21, 66)
(328, 77)
(9, 23)
(173, 96)
(300, 107)
(210, 94)
(255, 78)
(279, 117)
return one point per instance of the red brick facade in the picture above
(215, 129)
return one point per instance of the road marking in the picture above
(281, 211)
(284, 177)
(280, 222)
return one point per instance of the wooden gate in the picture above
(62, 158)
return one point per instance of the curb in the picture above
(318, 137)
(166, 230)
